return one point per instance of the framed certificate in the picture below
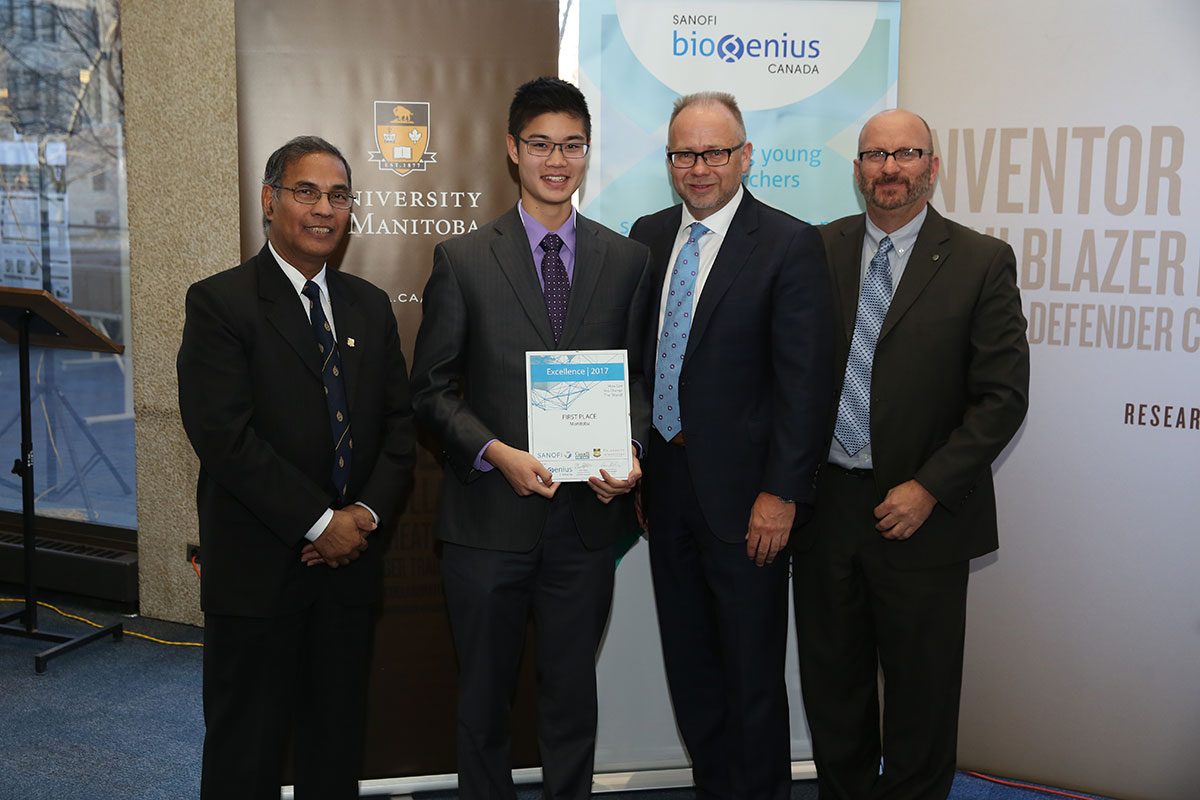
(579, 412)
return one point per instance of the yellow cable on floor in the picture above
(60, 612)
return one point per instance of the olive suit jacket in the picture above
(950, 383)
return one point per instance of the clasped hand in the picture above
(343, 540)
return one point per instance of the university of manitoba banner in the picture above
(416, 96)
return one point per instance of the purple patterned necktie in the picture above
(555, 284)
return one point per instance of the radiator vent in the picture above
(72, 567)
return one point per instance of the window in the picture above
(63, 228)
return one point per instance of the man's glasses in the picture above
(686, 159)
(905, 155)
(541, 148)
(310, 196)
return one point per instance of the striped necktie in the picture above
(335, 390)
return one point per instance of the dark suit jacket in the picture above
(253, 406)
(483, 309)
(755, 386)
(950, 384)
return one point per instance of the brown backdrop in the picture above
(340, 71)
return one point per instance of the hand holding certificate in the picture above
(579, 413)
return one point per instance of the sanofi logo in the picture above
(732, 48)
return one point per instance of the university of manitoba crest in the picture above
(402, 136)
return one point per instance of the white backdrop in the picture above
(1076, 126)
(1064, 128)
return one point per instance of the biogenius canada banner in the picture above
(806, 73)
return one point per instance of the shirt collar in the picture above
(296, 276)
(903, 238)
(718, 222)
(536, 231)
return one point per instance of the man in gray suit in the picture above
(540, 277)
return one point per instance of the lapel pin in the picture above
(935, 258)
(349, 341)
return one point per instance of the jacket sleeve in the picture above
(997, 387)
(216, 403)
(438, 369)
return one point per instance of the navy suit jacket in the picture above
(755, 388)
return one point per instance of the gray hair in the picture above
(708, 99)
(294, 150)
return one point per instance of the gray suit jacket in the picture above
(483, 309)
(950, 383)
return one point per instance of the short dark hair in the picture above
(547, 96)
(293, 150)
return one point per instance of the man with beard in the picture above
(929, 343)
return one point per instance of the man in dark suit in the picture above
(740, 395)
(933, 371)
(541, 277)
(293, 392)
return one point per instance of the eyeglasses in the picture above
(541, 148)
(905, 155)
(310, 196)
(686, 159)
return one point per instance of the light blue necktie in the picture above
(853, 428)
(672, 344)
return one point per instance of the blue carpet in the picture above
(110, 721)
(122, 720)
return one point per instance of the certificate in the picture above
(579, 412)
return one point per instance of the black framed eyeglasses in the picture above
(905, 155)
(311, 195)
(686, 159)
(542, 148)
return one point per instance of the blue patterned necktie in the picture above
(335, 390)
(853, 428)
(555, 284)
(677, 323)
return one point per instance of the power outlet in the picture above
(193, 551)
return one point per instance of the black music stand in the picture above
(34, 316)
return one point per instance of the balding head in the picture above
(892, 118)
(895, 191)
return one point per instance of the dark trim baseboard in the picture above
(76, 557)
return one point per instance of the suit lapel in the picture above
(846, 258)
(589, 261)
(285, 312)
(930, 252)
(511, 249)
(734, 253)
(349, 326)
(661, 242)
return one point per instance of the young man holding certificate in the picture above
(538, 279)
